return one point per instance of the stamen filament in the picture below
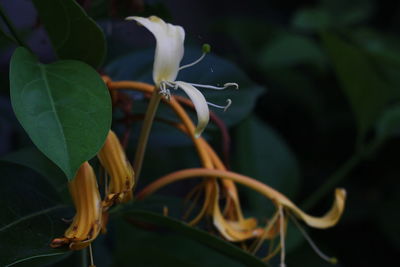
(258, 242)
(325, 257)
(91, 255)
(226, 85)
(193, 63)
(221, 107)
(282, 237)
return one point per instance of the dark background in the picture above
(308, 99)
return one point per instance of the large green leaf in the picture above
(31, 217)
(262, 154)
(174, 243)
(213, 70)
(64, 107)
(73, 33)
(388, 124)
(364, 88)
(332, 14)
(32, 158)
(287, 49)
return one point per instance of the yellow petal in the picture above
(233, 230)
(330, 218)
(87, 221)
(112, 158)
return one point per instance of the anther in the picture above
(164, 91)
(231, 84)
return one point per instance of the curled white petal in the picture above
(200, 105)
(169, 47)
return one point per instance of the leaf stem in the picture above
(145, 132)
(11, 28)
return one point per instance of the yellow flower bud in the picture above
(86, 223)
(113, 159)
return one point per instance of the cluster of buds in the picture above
(90, 209)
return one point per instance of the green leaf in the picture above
(73, 33)
(32, 158)
(332, 14)
(287, 50)
(174, 242)
(312, 19)
(213, 70)
(262, 154)
(388, 124)
(64, 107)
(30, 218)
(364, 88)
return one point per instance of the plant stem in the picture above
(145, 132)
(11, 28)
(328, 220)
(84, 259)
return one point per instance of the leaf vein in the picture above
(31, 215)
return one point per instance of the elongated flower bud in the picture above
(113, 159)
(86, 224)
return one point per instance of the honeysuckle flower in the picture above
(247, 229)
(112, 157)
(168, 55)
(87, 221)
(237, 230)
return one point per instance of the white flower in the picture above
(168, 55)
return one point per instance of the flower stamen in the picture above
(229, 103)
(325, 257)
(282, 235)
(164, 91)
(226, 86)
(206, 49)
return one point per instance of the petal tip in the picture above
(131, 18)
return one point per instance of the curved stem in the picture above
(201, 172)
(145, 132)
(328, 220)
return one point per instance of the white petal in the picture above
(169, 48)
(200, 104)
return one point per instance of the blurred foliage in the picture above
(332, 74)
(330, 117)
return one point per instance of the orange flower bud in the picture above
(86, 224)
(113, 159)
